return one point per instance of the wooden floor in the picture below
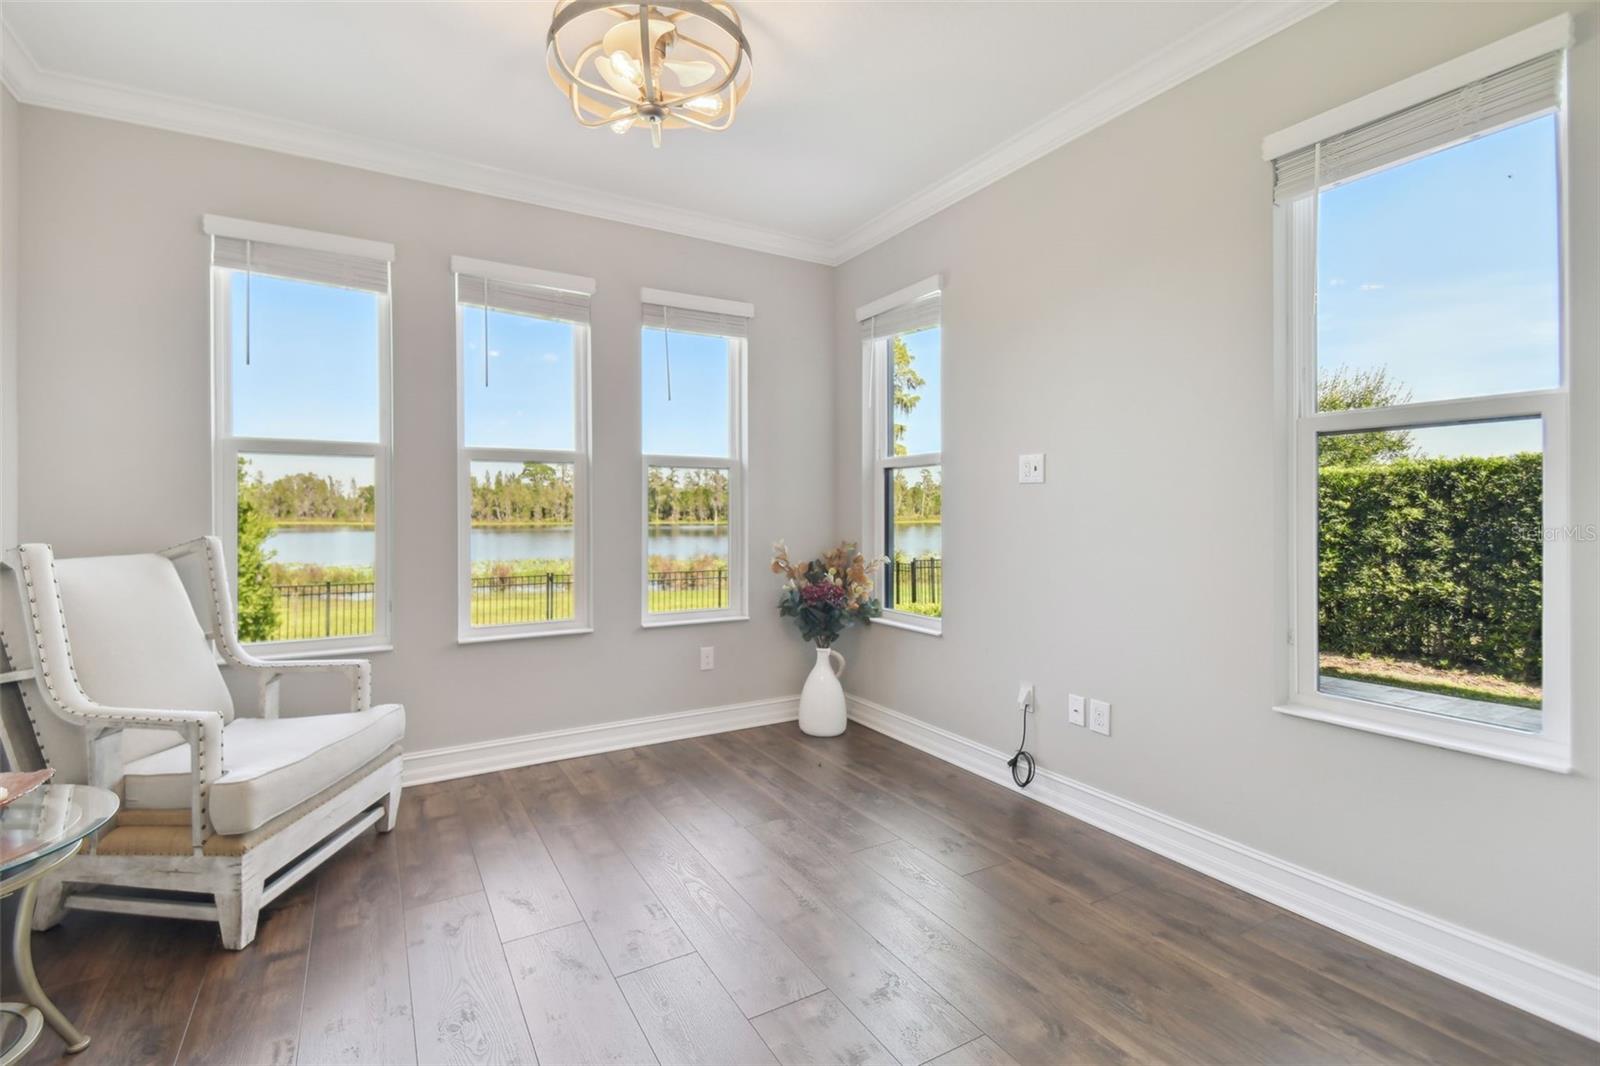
(756, 897)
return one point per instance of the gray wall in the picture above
(10, 274)
(115, 352)
(1111, 305)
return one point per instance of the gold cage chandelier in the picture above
(658, 66)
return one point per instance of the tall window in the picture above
(901, 341)
(692, 372)
(523, 371)
(1422, 265)
(301, 413)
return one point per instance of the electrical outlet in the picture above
(1025, 698)
(1075, 709)
(708, 658)
(1030, 469)
(1100, 717)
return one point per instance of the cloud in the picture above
(1371, 286)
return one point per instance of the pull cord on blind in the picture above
(1483, 106)
(342, 269)
(519, 298)
(670, 319)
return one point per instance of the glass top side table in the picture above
(38, 833)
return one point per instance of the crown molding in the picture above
(35, 86)
(1245, 24)
(1225, 36)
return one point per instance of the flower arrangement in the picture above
(828, 595)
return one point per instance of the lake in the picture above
(352, 545)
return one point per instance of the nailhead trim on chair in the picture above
(87, 708)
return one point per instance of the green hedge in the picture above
(1435, 560)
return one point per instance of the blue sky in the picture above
(1445, 270)
(527, 399)
(695, 420)
(922, 424)
(313, 369)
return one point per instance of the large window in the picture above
(692, 372)
(301, 413)
(523, 372)
(1422, 314)
(901, 341)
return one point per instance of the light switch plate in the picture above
(1030, 469)
(1075, 709)
(1100, 717)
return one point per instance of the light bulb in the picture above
(626, 67)
(705, 105)
(622, 125)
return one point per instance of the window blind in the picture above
(690, 320)
(343, 269)
(519, 298)
(1482, 106)
(921, 313)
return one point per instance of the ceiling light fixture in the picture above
(656, 66)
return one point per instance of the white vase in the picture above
(822, 698)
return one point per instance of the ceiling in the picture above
(863, 118)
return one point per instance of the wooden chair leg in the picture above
(391, 809)
(238, 911)
(49, 905)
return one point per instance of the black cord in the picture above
(1023, 777)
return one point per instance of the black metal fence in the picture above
(498, 601)
(688, 590)
(324, 609)
(917, 581)
(344, 608)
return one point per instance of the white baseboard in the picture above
(464, 760)
(1552, 990)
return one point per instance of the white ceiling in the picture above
(863, 118)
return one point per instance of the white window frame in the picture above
(736, 466)
(1295, 332)
(878, 456)
(580, 458)
(226, 448)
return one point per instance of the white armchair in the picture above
(118, 667)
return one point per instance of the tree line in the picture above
(690, 495)
(537, 494)
(307, 497)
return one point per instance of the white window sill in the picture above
(669, 623)
(274, 652)
(928, 627)
(1472, 738)
(476, 637)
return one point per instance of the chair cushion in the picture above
(137, 643)
(269, 764)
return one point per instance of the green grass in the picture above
(310, 618)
